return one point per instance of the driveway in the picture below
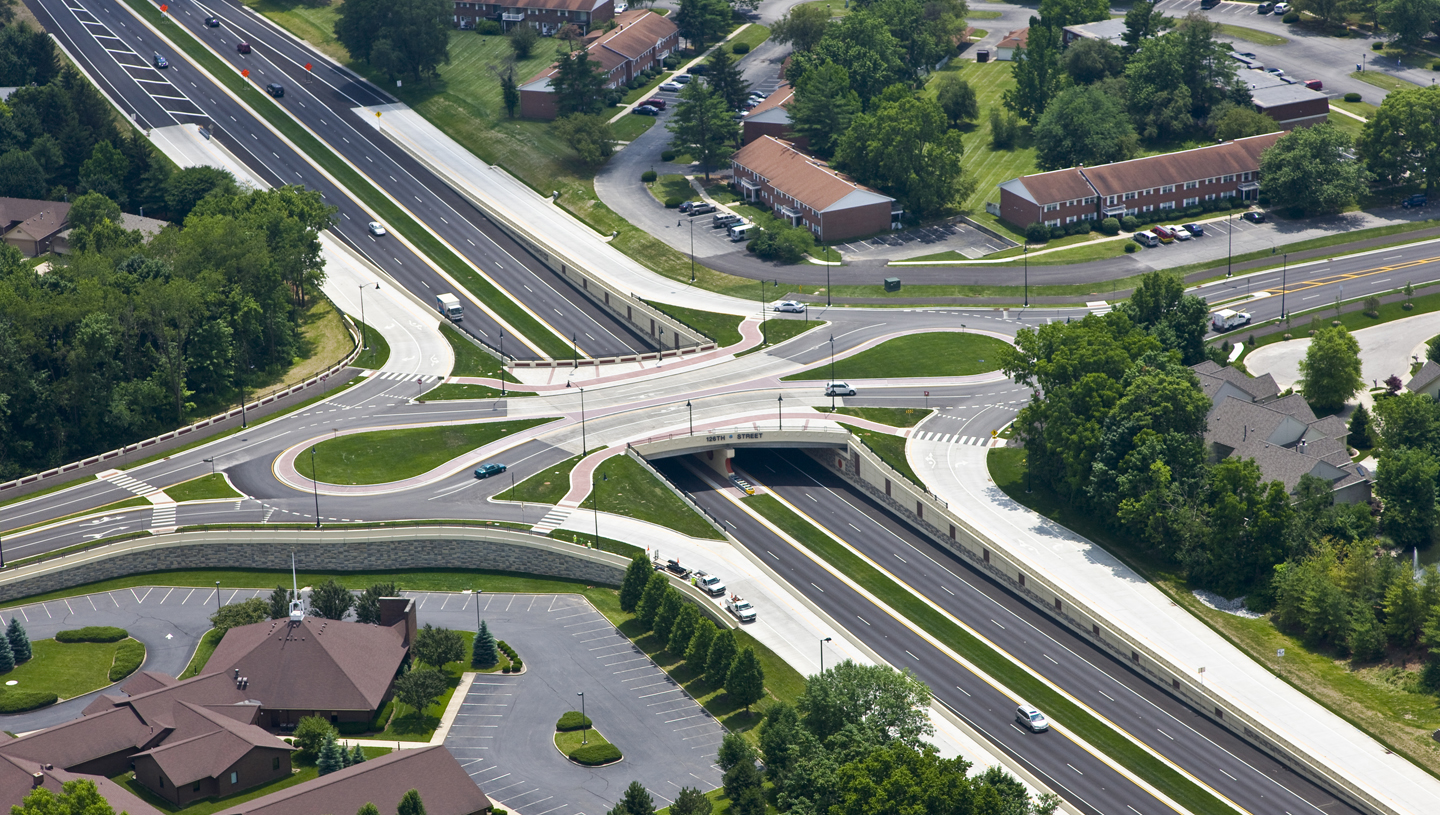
(1385, 349)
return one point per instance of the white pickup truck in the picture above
(743, 611)
(708, 583)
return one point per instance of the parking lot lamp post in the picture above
(314, 487)
(477, 610)
(691, 411)
(822, 653)
(217, 595)
(584, 731)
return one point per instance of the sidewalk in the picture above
(959, 475)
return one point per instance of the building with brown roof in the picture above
(1014, 41)
(19, 777)
(1153, 183)
(640, 40)
(442, 783)
(30, 225)
(545, 16)
(772, 118)
(804, 191)
(210, 754)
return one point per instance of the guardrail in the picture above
(279, 393)
(932, 517)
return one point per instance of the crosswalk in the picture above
(163, 517)
(552, 520)
(125, 482)
(950, 438)
(396, 376)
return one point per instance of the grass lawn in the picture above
(671, 185)
(545, 487)
(724, 329)
(199, 489)
(208, 643)
(571, 740)
(890, 449)
(470, 360)
(775, 332)
(944, 353)
(1384, 700)
(1346, 123)
(630, 126)
(407, 724)
(1240, 32)
(610, 545)
(626, 488)
(837, 8)
(379, 350)
(753, 35)
(325, 341)
(451, 390)
(390, 455)
(895, 417)
(1169, 781)
(67, 669)
(1380, 79)
(1089, 247)
(299, 775)
(1362, 108)
(1352, 316)
(974, 14)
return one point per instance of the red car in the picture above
(243, 47)
(1314, 84)
(657, 103)
(1164, 234)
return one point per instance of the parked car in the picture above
(743, 611)
(708, 583)
(212, 21)
(671, 87)
(621, 8)
(701, 208)
(1032, 719)
(699, 69)
(724, 219)
(839, 389)
(1247, 54)
(1265, 8)
(673, 567)
(1280, 8)
(161, 62)
(1195, 229)
(1276, 71)
(685, 206)
(1254, 216)
(646, 110)
(1415, 201)
(683, 79)
(790, 306)
(242, 47)
(1180, 233)
(487, 470)
(275, 89)
(1164, 234)
(1315, 84)
(656, 102)
(1146, 239)
(376, 228)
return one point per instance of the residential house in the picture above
(31, 225)
(1426, 380)
(804, 191)
(1014, 41)
(1111, 31)
(19, 777)
(1249, 419)
(546, 16)
(147, 227)
(1154, 183)
(641, 39)
(772, 118)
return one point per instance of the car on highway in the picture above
(375, 228)
(1032, 719)
(1195, 229)
(1280, 8)
(487, 470)
(1254, 216)
(656, 102)
(743, 611)
(1164, 234)
(646, 110)
(212, 21)
(1180, 233)
(161, 62)
(242, 47)
(791, 306)
(708, 583)
(671, 87)
(839, 389)
(275, 89)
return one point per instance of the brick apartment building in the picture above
(639, 40)
(772, 118)
(547, 16)
(805, 192)
(1291, 105)
(1154, 183)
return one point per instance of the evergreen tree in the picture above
(691, 801)
(279, 603)
(650, 599)
(331, 757)
(823, 106)
(331, 600)
(484, 653)
(7, 657)
(741, 778)
(410, 804)
(19, 640)
(344, 756)
(368, 809)
(357, 756)
(578, 84)
(746, 681)
(724, 76)
(722, 655)
(509, 91)
(699, 649)
(636, 801)
(703, 126)
(683, 630)
(669, 612)
(1360, 427)
(1037, 72)
(633, 586)
(1366, 639)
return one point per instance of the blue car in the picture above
(1195, 229)
(160, 62)
(487, 470)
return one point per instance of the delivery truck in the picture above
(450, 306)
(1228, 319)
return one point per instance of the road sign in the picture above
(164, 8)
(245, 72)
(307, 66)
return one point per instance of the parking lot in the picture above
(953, 235)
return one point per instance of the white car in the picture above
(790, 306)
(742, 609)
(1181, 233)
(839, 389)
(621, 8)
(671, 87)
(1032, 719)
(1280, 9)
(376, 228)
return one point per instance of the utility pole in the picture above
(1027, 274)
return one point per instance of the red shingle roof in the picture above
(802, 177)
(1019, 38)
(1229, 158)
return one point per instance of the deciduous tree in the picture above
(1311, 171)
(632, 587)
(1089, 61)
(588, 134)
(702, 22)
(522, 40)
(745, 684)
(957, 99)
(1401, 141)
(1060, 13)
(235, 615)
(279, 603)
(367, 606)
(722, 656)
(437, 647)
(577, 84)
(907, 149)
(650, 599)
(802, 26)
(1083, 125)
(698, 651)
(1405, 481)
(1330, 371)
(331, 600)
(823, 107)
(75, 798)
(1238, 122)
(418, 689)
(702, 126)
(1142, 22)
(1409, 20)
(1036, 71)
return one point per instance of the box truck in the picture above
(450, 306)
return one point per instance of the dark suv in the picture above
(275, 89)
(1417, 200)
(1254, 216)
(1264, 8)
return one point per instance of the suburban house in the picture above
(1111, 31)
(1010, 43)
(804, 191)
(31, 225)
(640, 39)
(1154, 183)
(772, 118)
(147, 227)
(1426, 380)
(1291, 105)
(1250, 419)
(547, 16)
(19, 777)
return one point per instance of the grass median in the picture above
(890, 449)
(1020, 682)
(626, 488)
(940, 353)
(376, 351)
(894, 417)
(66, 669)
(359, 186)
(471, 359)
(724, 329)
(203, 488)
(382, 456)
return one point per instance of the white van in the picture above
(741, 231)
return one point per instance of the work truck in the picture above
(450, 305)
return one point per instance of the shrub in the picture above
(516, 665)
(595, 754)
(310, 735)
(92, 633)
(667, 155)
(1110, 226)
(18, 701)
(1435, 66)
(1131, 247)
(1377, 46)
(352, 728)
(1352, 97)
(1291, 17)
(128, 657)
(648, 176)
(1037, 233)
(1057, 231)
(673, 201)
(490, 27)
(740, 48)
(572, 720)
(505, 670)
(1129, 223)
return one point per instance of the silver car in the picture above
(1032, 719)
(790, 305)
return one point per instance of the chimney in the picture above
(396, 610)
(36, 780)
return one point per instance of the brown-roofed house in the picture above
(444, 788)
(772, 118)
(804, 191)
(30, 225)
(1014, 41)
(1154, 183)
(641, 39)
(19, 777)
(211, 754)
(546, 16)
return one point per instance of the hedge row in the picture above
(19, 701)
(595, 754)
(572, 720)
(127, 659)
(92, 633)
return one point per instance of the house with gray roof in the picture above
(1249, 419)
(1426, 380)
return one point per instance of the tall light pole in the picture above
(1027, 274)
(574, 352)
(584, 446)
(211, 462)
(1230, 251)
(692, 250)
(827, 278)
(780, 410)
(1284, 268)
(763, 335)
(477, 609)
(691, 411)
(832, 373)
(822, 653)
(217, 595)
(364, 335)
(314, 487)
(595, 507)
(502, 363)
(584, 730)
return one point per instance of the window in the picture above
(1229, 178)
(1190, 185)
(1244, 176)
(162, 782)
(1070, 220)
(1147, 208)
(1109, 199)
(1055, 222)
(1227, 194)
(1190, 202)
(1150, 191)
(1051, 207)
(1129, 196)
(275, 763)
(564, 13)
(196, 788)
(1210, 197)
(1167, 205)
(234, 778)
(1089, 200)
(1167, 188)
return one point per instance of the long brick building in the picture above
(804, 191)
(639, 40)
(545, 16)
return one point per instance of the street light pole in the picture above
(477, 610)
(364, 335)
(780, 410)
(822, 653)
(595, 507)
(832, 373)
(1230, 234)
(217, 595)
(502, 363)
(1027, 274)
(827, 278)
(691, 411)
(692, 250)
(211, 462)
(314, 487)
(584, 730)
(584, 445)
(1284, 268)
(762, 313)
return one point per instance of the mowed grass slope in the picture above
(390, 455)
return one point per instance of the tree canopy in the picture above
(1083, 125)
(1330, 371)
(402, 38)
(1401, 141)
(905, 147)
(1312, 171)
